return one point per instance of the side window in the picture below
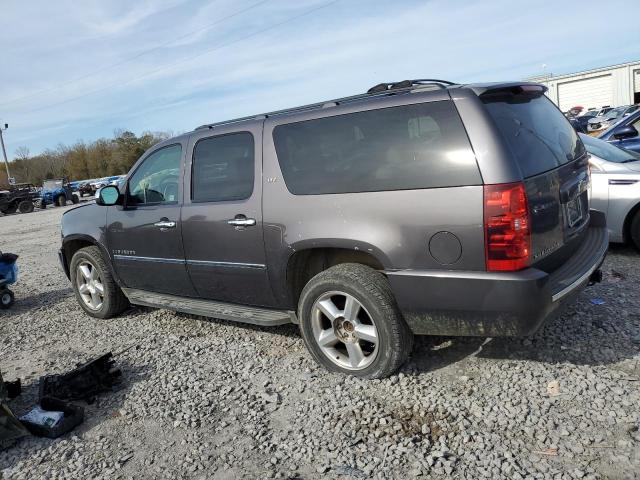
(156, 180)
(223, 168)
(636, 124)
(397, 148)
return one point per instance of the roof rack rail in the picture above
(405, 85)
(383, 87)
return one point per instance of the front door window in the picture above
(156, 181)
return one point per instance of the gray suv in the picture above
(421, 207)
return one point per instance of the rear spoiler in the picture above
(513, 88)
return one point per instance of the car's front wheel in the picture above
(61, 200)
(94, 286)
(351, 323)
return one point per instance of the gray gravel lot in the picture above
(213, 399)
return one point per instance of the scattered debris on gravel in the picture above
(214, 399)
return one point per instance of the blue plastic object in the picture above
(9, 272)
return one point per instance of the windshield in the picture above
(52, 184)
(608, 152)
(536, 132)
(615, 113)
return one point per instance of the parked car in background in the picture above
(580, 122)
(99, 183)
(85, 188)
(57, 192)
(624, 134)
(611, 118)
(365, 220)
(615, 188)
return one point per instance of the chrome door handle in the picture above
(242, 221)
(165, 224)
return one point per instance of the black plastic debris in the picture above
(73, 416)
(10, 427)
(14, 389)
(83, 383)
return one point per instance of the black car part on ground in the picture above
(14, 389)
(10, 427)
(83, 383)
(73, 416)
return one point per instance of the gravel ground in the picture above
(213, 399)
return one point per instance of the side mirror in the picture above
(109, 195)
(627, 131)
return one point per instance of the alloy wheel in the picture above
(90, 286)
(344, 330)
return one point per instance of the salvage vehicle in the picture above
(57, 192)
(19, 198)
(624, 134)
(610, 118)
(419, 207)
(615, 188)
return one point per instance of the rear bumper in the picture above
(492, 304)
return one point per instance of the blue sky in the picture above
(74, 71)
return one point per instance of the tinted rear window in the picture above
(396, 148)
(538, 135)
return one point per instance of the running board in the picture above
(209, 308)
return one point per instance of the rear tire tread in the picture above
(353, 276)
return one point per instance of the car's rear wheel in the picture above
(351, 324)
(75, 199)
(61, 200)
(94, 286)
(25, 206)
(635, 230)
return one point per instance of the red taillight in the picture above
(507, 230)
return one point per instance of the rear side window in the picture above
(539, 136)
(223, 168)
(397, 148)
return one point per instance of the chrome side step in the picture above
(208, 308)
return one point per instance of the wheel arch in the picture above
(304, 264)
(626, 229)
(72, 243)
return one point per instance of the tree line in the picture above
(101, 158)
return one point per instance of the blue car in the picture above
(624, 134)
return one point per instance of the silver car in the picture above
(615, 188)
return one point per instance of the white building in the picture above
(607, 86)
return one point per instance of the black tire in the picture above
(6, 298)
(75, 199)
(371, 289)
(634, 230)
(10, 209)
(61, 201)
(42, 205)
(25, 206)
(114, 301)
